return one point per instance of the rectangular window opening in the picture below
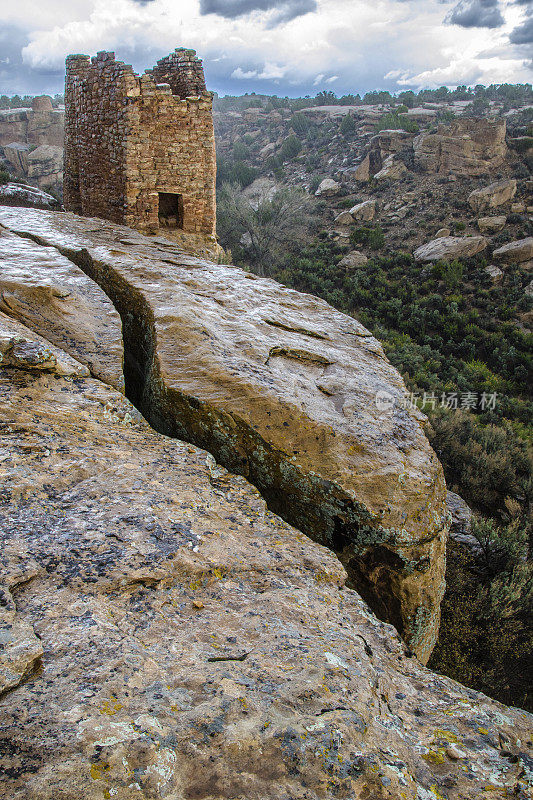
(170, 210)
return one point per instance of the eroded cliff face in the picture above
(164, 635)
(281, 389)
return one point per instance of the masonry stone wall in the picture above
(140, 150)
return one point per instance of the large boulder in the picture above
(516, 252)
(344, 219)
(364, 212)
(491, 224)
(42, 103)
(45, 165)
(492, 196)
(284, 390)
(327, 188)
(16, 153)
(465, 147)
(353, 260)
(163, 635)
(448, 247)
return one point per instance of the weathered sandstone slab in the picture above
(447, 247)
(22, 348)
(465, 147)
(327, 188)
(364, 212)
(492, 196)
(14, 194)
(515, 252)
(491, 224)
(165, 636)
(282, 389)
(49, 294)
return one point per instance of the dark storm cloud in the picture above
(476, 14)
(287, 9)
(523, 34)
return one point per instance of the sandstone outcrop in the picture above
(327, 188)
(465, 147)
(392, 169)
(49, 294)
(447, 247)
(491, 224)
(364, 212)
(42, 165)
(45, 166)
(492, 196)
(281, 389)
(165, 636)
(515, 252)
(16, 154)
(41, 124)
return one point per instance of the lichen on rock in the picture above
(281, 389)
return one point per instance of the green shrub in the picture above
(4, 176)
(241, 152)
(348, 125)
(242, 173)
(290, 148)
(486, 634)
(370, 236)
(393, 122)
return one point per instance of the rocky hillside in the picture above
(166, 633)
(418, 177)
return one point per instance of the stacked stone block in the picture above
(129, 138)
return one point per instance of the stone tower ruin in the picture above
(140, 150)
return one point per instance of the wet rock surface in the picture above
(163, 635)
(282, 389)
(50, 295)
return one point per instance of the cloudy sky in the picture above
(293, 47)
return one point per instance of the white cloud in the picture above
(355, 44)
(241, 75)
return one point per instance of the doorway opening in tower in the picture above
(170, 210)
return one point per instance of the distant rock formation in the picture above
(464, 147)
(31, 141)
(163, 634)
